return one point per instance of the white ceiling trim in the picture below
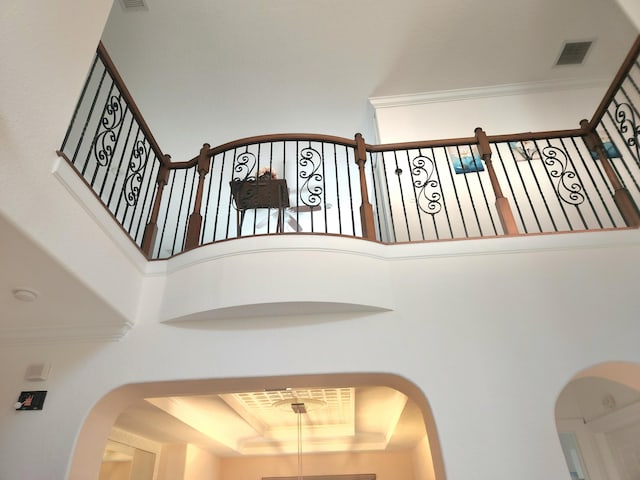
(64, 334)
(484, 92)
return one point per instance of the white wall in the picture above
(511, 109)
(42, 76)
(632, 9)
(486, 329)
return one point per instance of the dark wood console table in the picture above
(260, 193)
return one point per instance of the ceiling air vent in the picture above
(573, 53)
(134, 5)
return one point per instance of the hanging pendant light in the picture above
(299, 408)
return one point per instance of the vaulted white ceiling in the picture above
(214, 71)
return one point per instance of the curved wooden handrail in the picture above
(449, 142)
(128, 98)
(629, 60)
(270, 138)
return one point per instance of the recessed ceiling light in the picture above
(25, 295)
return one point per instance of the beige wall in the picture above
(189, 462)
(115, 471)
(172, 462)
(387, 466)
(201, 464)
(422, 463)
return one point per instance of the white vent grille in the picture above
(134, 5)
(573, 53)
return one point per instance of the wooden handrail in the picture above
(451, 142)
(524, 136)
(275, 137)
(624, 70)
(128, 98)
(314, 137)
(481, 141)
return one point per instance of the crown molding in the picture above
(442, 96)
(56, 334)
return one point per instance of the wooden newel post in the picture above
(195, 219)
(502, 203)
(621, 197)
(151, 229)
(366, 210)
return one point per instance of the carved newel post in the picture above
(151, 229)
(366, 210)
(195, 219)
(502, 203)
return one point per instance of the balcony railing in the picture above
(480, 186)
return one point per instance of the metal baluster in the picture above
(455, 191)
(80, 102)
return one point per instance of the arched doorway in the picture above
(367, 421)
(598, 420)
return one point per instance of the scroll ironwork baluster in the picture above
(621, 196)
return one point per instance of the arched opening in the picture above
(598, 420)
(237, 428)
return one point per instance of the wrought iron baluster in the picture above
(628, 129)
(426, 186)
(455, 191)
(88, 119)
(568, 188)
(593, 183)
(134, 181)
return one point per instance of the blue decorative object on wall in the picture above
(610, 149)
(467, 164)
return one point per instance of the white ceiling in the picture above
(214, 71)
